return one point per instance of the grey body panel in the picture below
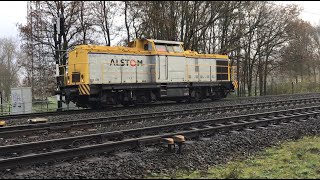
(119, 69)
(123, 69)
(201, 70)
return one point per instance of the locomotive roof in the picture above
(164, 42)
(137, 47)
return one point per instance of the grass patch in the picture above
(298, 159)
(38, 106)
(44, 106)
(4, 109)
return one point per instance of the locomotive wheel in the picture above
(214, 98)
(198, 96)
(223, 94)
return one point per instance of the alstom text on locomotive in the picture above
(126, 62)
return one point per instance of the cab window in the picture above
(170, 48)
(161, 48)
(177, 48)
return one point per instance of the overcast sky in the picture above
(13, 12)
(311, 10)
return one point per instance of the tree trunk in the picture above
(126, 21)
(265, 74)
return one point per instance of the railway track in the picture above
(46, 128)
(88, 110)
(61, 149)
(271, 96)
(67, 112)
(51, 113)
(74, 111)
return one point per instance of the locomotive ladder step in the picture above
(163, 84)
(163, 89)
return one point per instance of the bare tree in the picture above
(8, 65)
(254, 34)
(104, 17)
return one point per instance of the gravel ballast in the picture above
(197, 155)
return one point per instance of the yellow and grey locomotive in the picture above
(146, 71)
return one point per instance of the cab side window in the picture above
(177, 48)
(170, 48)
(161, 48)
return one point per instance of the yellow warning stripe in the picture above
(235, 84)
(84, 89)
(81, 90)
(87, 88)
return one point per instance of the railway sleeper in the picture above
(261, 127)
(208, 126)
(249, 129)
(56, 128)
(242, 121)
(234, 132)
(262, 119)
(273, 125)
(193, 128)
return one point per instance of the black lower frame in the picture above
(131, 94)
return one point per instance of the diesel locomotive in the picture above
(146, 71)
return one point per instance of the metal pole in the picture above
(63, 55)
(1, 102)
(47, 104)
(56, 56)
(57, 39)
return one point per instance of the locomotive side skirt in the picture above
(101, 95)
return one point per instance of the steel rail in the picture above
(132, 138)
(66, 112)
(31, 129)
